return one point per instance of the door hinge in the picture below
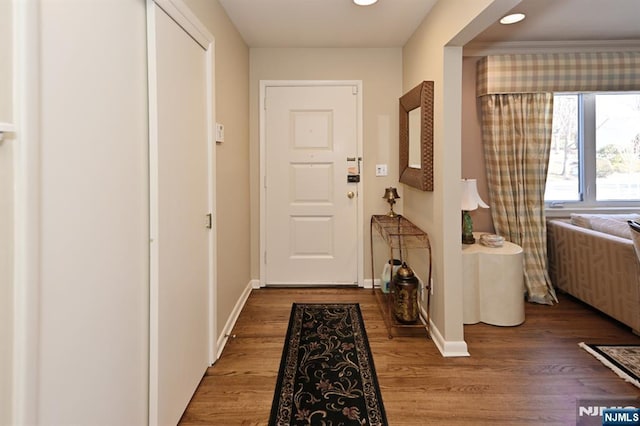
(208, 223)
(354, 90)
(265, 257)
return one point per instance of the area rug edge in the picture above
(622, 372)
(372, 367)
(283, 361)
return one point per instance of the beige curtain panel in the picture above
(516, 134)
(517, 111)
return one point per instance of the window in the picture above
(595, 150)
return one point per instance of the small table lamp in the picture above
(391, 195)
(470, 201)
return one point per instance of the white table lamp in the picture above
(470, 201)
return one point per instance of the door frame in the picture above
(264, 84)
(184, 17)
(27, 212)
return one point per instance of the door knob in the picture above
(351, 194)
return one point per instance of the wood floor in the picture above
(530, 374)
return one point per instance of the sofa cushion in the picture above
(581, 220)
(613, 224)
(616, 227)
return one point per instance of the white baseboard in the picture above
(368, 282)
(446, 348)
(233, 317)
(451, 348)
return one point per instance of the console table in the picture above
(401, 235)
(493, 284)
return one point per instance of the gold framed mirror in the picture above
(416, 137)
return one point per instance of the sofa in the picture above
(592, 258)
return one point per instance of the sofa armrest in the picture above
(597, 268)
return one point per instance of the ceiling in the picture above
(390, 23)
(326, 23)
(569, 20)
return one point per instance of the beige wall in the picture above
(434, 53)
(381, 73)
(232, 171)
(473, 166)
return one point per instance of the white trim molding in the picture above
(26, 83)
(371, 283)
(233, 317)
(189, 22)
(447, 348)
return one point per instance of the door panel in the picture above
(180, 197)
(312, 223)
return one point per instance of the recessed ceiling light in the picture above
(512, 19)
(365, 2)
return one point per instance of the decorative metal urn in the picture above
(405, 287)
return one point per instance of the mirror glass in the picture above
(416, 137)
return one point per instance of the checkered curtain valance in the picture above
(558, 72)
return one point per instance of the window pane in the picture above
(618, 146)
(563, 177)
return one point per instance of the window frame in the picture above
(587, 167)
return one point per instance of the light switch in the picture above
(381, 169)
(219, 132)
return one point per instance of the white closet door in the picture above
(181, 198)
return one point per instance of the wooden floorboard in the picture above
(531, 374)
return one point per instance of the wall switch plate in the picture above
(219, 132)
(381, 169)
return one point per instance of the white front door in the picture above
(181, 193)
(311, 206)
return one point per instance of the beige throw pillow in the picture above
(609, 226)
(580, 220)
(614, 224)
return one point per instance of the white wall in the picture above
(93, 355)
(381, 73)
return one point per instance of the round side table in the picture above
(493, 284)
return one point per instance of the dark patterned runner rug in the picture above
(327, 376)
(624, 360)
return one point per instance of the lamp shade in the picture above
(390, 194)
(470, 198)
